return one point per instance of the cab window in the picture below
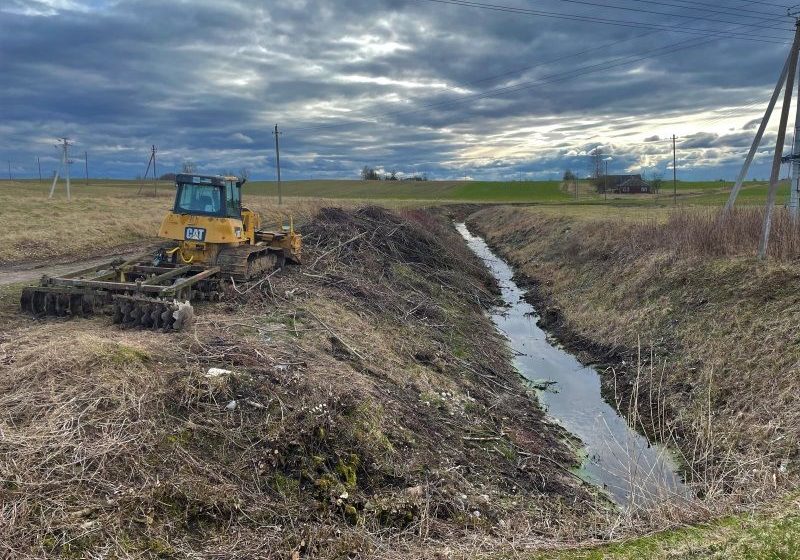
(233, 195)
(202, 199)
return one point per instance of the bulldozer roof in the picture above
(217, 180)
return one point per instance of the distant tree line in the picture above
(371, 174)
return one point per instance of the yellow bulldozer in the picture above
(212, 240)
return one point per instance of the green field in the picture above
(706, 193)
(531, 192)
(452, 191)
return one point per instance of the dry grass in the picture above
(706, 233)
(104, 217)
(693, 232)
(36, 228)
(715, 325)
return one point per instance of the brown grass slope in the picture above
(370, 411)
(700, 338)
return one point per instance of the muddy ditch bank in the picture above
(666, 329)
(362, 406)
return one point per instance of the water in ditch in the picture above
(631, 470)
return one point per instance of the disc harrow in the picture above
(151, 313)
(136, 293)
(41, 302)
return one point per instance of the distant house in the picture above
(624, 184)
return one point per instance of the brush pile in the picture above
(388, 261)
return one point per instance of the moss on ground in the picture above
(732, 538)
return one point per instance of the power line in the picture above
(737, 10)
(784, 6)
(654, 12)
(606, 21)
(573, 55)
(517, 87)
(592, 49)
(553, 78)
(566, 57)
(333, 125)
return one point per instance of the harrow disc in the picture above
(152, 313)
(42, 302)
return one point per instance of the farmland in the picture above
(111, 214)
(336, 322)
(429, 279)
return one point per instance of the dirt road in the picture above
(32, 271)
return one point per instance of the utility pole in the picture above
(794, 159)
(155, 176)
(151, 161)
(787, 77)
(605, 189)
(86, 165)
(674, 171)
(779, 145)
(64, 164)
(9, 171)
(278, 163)
(737, 187)
(39, 163)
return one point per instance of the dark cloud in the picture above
(751, 125)
(700, 140)
(403, 84)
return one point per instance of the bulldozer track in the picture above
(246, 262)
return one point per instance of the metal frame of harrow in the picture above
(158, 301)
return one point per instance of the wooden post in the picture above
(779, 145)
(278, 164)
(674, 171)
(155, 177)
(757, 141)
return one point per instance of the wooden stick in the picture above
(337, 337)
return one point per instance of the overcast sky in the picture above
(413, 85)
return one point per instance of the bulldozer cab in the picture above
(205, 195)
